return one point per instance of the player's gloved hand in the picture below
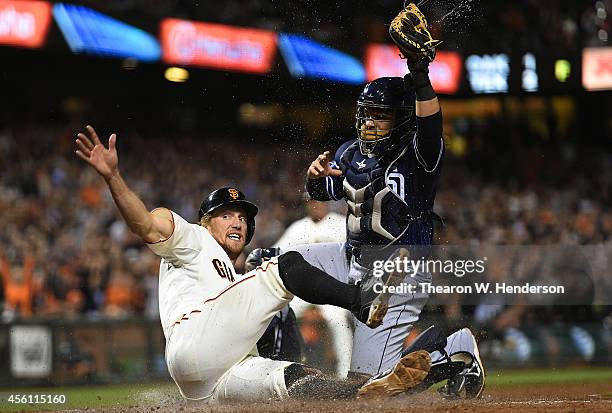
(258, 256)
(409, 30)
(419, 73)
(418, 80)
(321, 167)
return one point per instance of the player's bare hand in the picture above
(91, 150)
(320, 167)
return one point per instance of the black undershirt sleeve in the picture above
(429, 139)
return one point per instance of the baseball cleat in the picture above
(375, 294)
(408, 373)
(470, 382)
(475, 377)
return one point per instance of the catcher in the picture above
(388, 177)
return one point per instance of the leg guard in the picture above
(455, 359)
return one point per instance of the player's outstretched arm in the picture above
(429, 143)
(426, 100)
(409, 30)
(151, 227)
(320, 167)
(323, 182)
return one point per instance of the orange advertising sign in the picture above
(384, 60)
(217, 46)
(24, 23)
(597, 68)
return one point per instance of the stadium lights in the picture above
(563, 69)
(306, 58)
(176, 74)
(530, 74)
(90, 32)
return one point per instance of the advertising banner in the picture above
(24, 23)
(444, 72)
(597, 68)
(217, 46)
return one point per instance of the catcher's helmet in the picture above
(385, 94)
(230, 196)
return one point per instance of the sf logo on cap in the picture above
(233, 193)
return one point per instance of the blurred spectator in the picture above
(16, 275)
(318, 226)
(317, 350)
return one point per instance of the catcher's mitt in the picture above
(409, 31)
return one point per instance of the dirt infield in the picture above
(590, 397)
(550, 390)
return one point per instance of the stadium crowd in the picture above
(65, 252)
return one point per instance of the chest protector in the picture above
(377, 214)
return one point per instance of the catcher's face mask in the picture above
(375, 127)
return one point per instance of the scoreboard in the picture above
(457, 73)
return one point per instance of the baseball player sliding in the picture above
(213, 317)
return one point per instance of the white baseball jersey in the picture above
(332, 228)
(193, 269)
